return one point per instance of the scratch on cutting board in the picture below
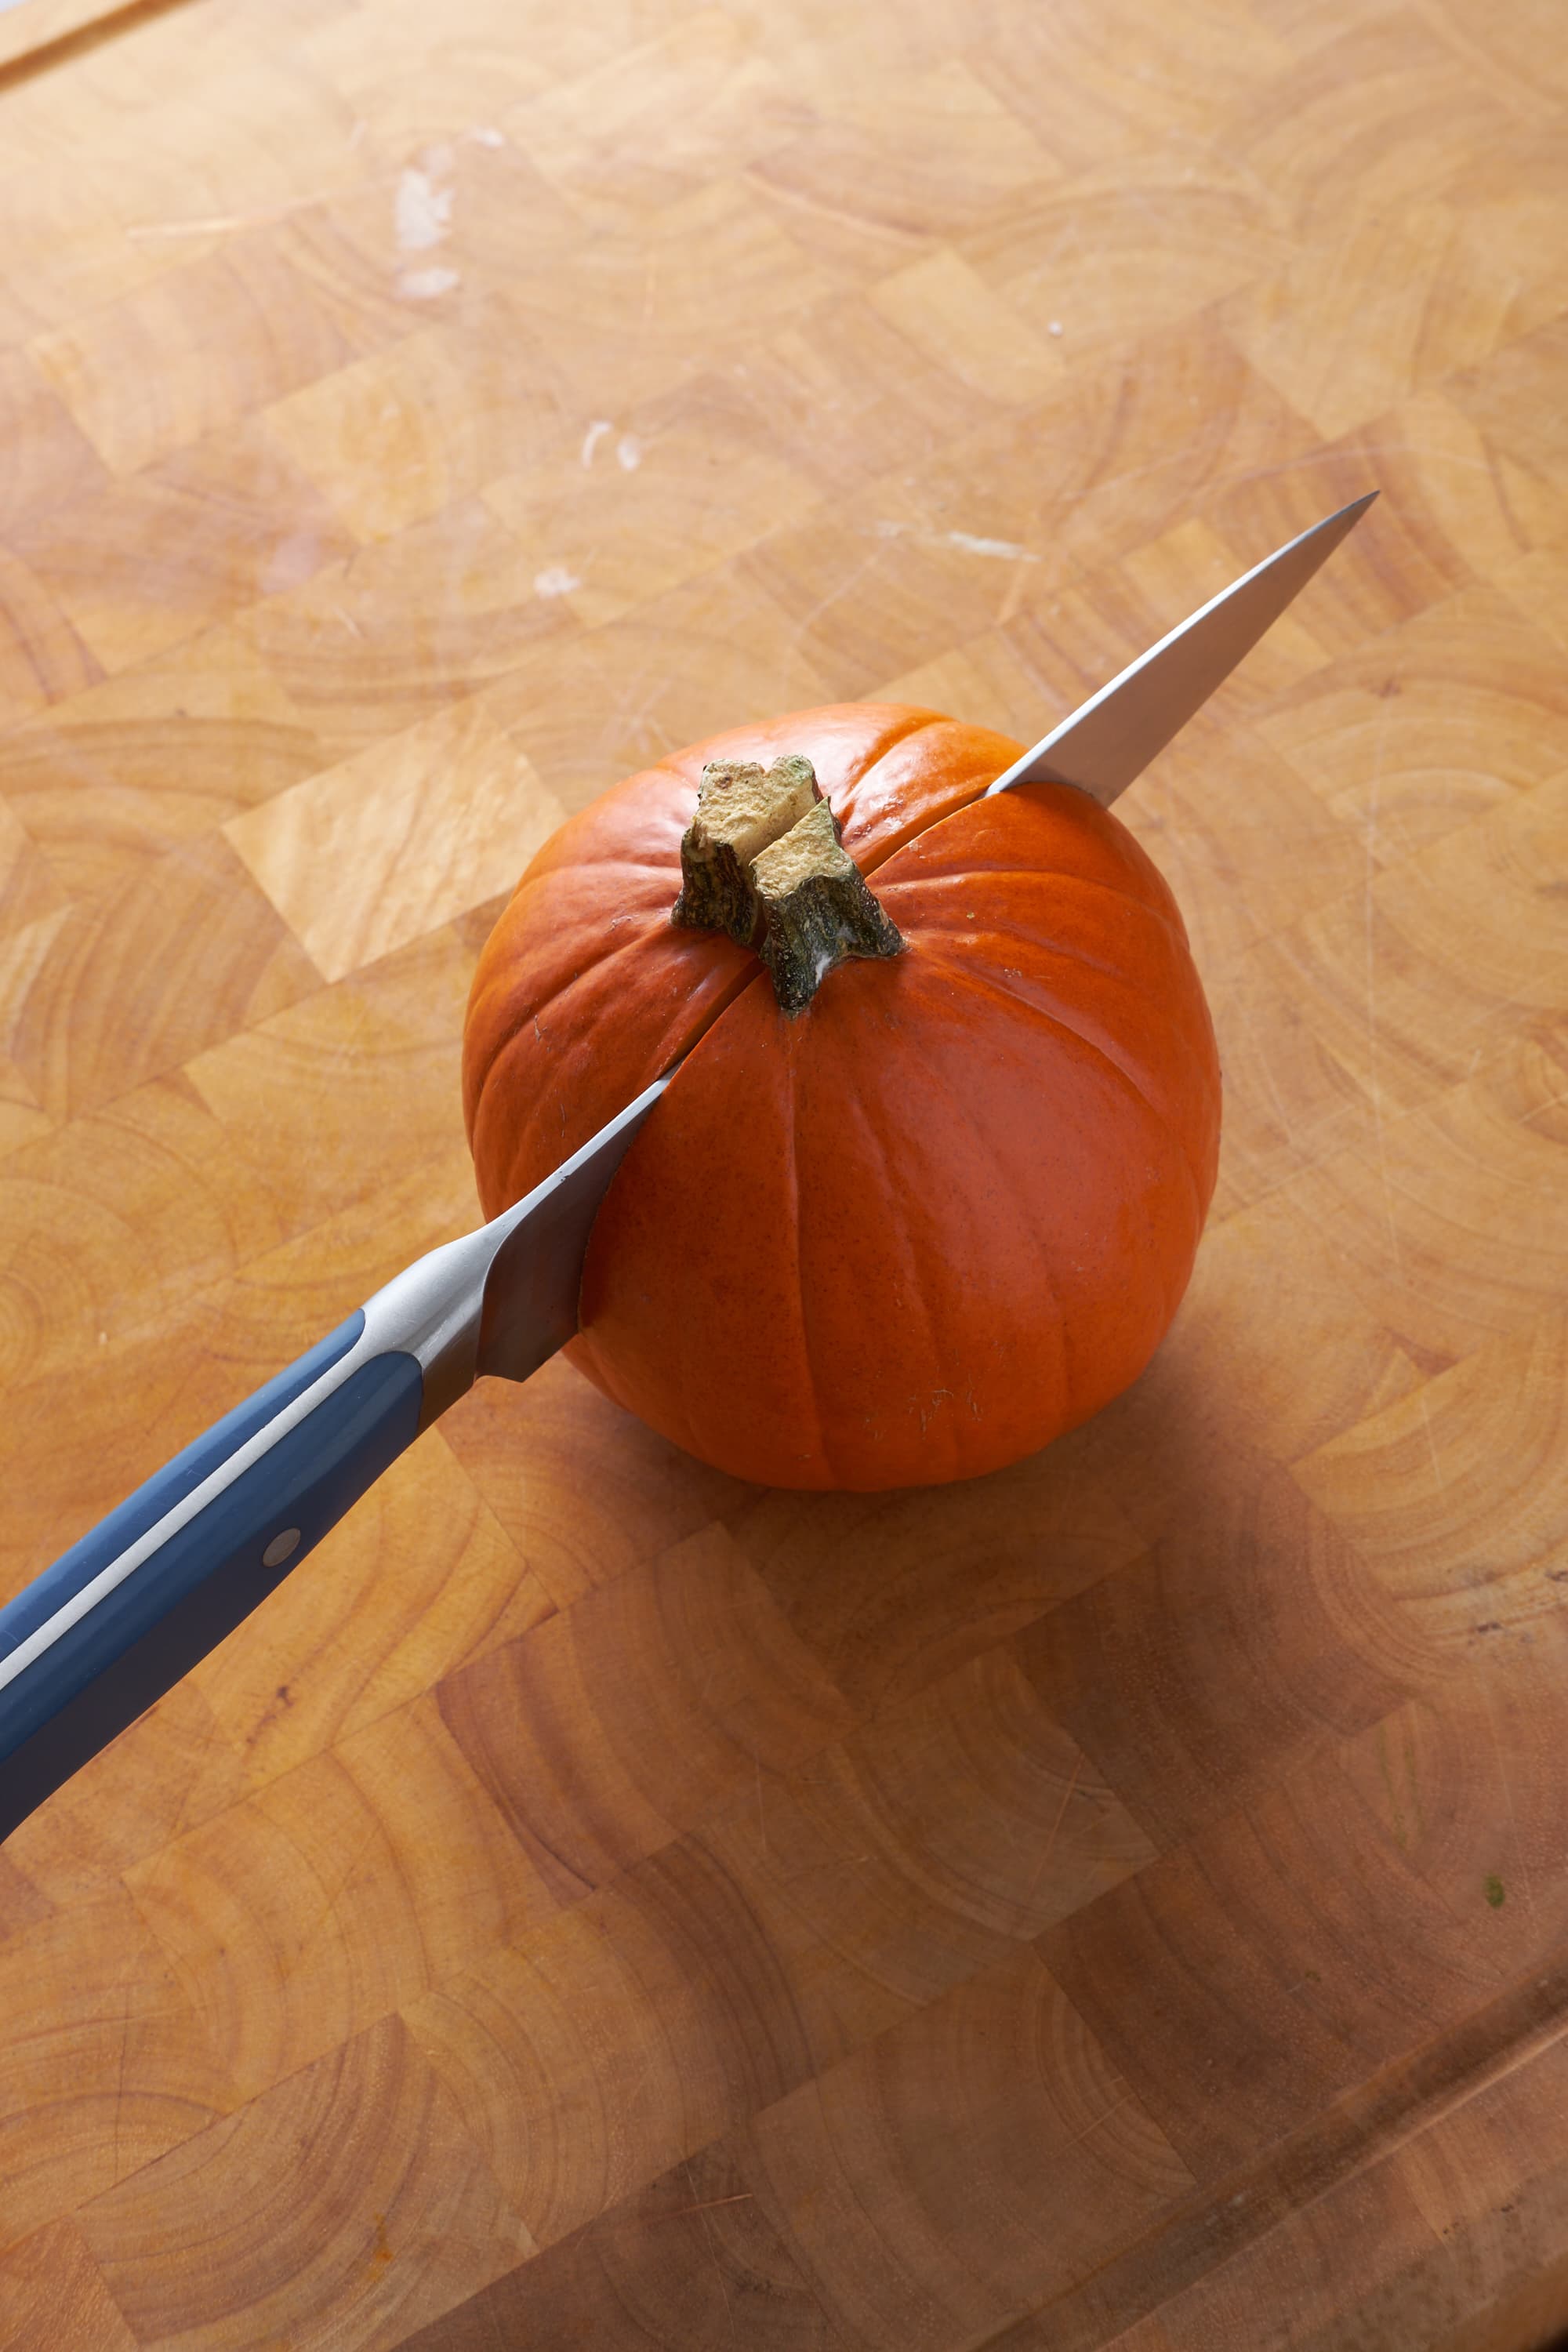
(679, 2212)
(1431, 1440)
(723, 2283)
(1006, 551)
(1103, 2117)
(229, 224)
(1401, 1835)
(833, 596)
(1512, 1816)
(1055, 1825)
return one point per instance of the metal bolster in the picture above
(431, 1311)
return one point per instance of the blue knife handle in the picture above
(131, 1608)
(197, 1582)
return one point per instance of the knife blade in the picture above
(118, 1619)
(1111, 739)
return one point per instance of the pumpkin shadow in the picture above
(893, 1590)
(1179, 1604)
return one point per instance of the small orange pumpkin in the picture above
(927, 1224)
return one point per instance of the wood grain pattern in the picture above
(1119, 1906)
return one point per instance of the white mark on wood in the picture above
(227, 223)
(555, 581)
(485, 134)
(421, 212)
(1014, 595)
(628, 451)
(1006, 549)
(427, 285)
(593, 435)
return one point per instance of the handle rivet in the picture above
(279, 1549)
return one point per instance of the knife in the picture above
(90, 1644)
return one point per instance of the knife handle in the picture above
(128, 1609)
(126, 1612)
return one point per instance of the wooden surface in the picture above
(1121, 1903)
(33, 34)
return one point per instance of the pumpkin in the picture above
(917, 1221)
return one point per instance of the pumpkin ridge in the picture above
(922, 721)
(1003, 934)
(924, 927)
(915, 1292)
(966, 1116)
(1169, 917)
(996, 984)
(809, 1366)
(988, 983)
(519, 1040)
(935, 719)
(632, 938)
(983, 973)
(933, 937)
(530, 1018)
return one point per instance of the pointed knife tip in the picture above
(1336, 526)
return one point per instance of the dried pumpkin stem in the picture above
(817, 909)
(761, 859)
(740, 809)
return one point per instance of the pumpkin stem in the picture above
(818, 909)
(761, 859)
(741, 808)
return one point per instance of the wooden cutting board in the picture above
(1123, 1902)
